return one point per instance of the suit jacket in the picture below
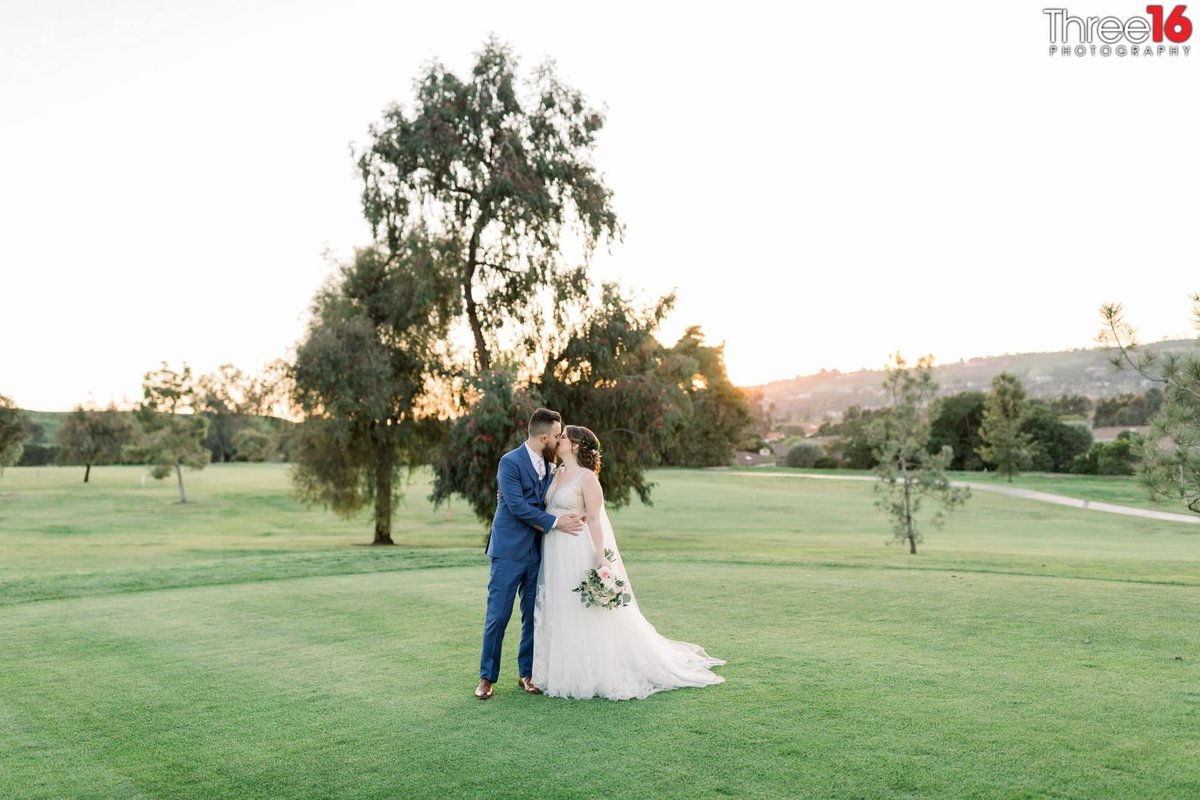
(522, 505)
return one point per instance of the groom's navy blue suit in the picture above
(515, 547)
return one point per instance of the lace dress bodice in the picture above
(566, 498)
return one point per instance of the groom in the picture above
(515, 546)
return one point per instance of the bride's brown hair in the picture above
(589, 446)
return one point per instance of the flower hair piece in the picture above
(588, 445)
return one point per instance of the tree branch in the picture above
(499, 268)
(1112, 315)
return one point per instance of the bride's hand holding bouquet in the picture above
(602, 586)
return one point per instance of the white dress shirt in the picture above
(539, 466)
(539, 463)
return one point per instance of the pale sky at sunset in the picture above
(824, 184)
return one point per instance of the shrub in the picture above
(804, 454)
(1118, 457)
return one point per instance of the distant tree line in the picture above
(999, 430)
(181, 422)
(1128, 409)
(674, 404)
(704, 419)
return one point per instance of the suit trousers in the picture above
(509, 578)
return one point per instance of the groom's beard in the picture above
(548, 452)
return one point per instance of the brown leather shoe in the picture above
(527, 685)
(484, 690)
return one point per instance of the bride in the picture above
(581, 651)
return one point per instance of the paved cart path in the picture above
(1028, 494)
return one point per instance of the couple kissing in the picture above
(551, 543)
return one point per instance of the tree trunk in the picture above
(908, 519)
(383, 505)
(86, 472)
(481, 350)
(179, 475)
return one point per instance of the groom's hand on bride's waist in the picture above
(570, 523)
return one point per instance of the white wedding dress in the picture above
(582, 652)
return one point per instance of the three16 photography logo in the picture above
(1159, 34)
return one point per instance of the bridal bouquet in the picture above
(603, 587)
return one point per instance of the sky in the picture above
(822, 185)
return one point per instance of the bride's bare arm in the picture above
(593, 503)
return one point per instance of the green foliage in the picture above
(855, 447)
(1170, 454)
(1005, 444)
(13, 430)
(1118, 457)
(223, 398)
(714, 415)
(752, 442)
(1128, 409)
(607, 375)
(492, 174)
(35, 452)
(172, 432)
(908, 473)
(955, 423)
(252, 444)
(47, 422)
(790, 429)
(38, 455)
(361, 376)
(236, 404)
(89, 437)
(1054, 444)
(1072, 405)
(238, 407)
(10, 454)
(495, 423)
(804, 454)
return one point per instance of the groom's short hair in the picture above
(542, 421)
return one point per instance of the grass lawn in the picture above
(1117, 489)
(243, 646)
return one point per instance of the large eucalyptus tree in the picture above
(499, 174)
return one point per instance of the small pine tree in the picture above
(1170, 454)
(1004, 412)
(908, 473)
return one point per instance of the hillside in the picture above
(49, 421)
(1086, 372)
